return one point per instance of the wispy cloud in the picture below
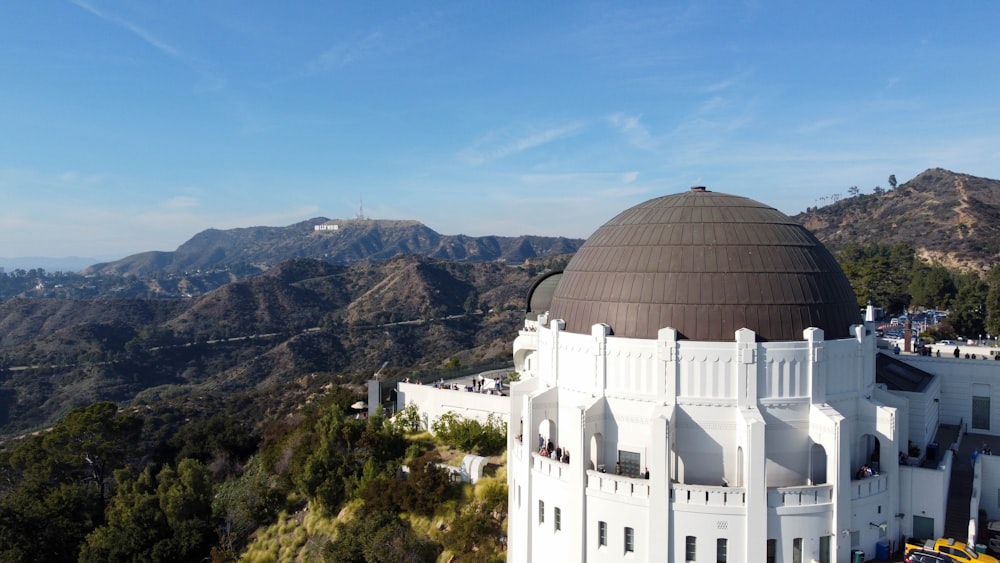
(503, 144)
(74, 178)
(346, 53)
(180, 202)
(819, 125)
(581, 178)
(209, 79)
(394, 36)
(635, 132)
(713, 105)
(729, 82)
(35, 182)
(127, 25)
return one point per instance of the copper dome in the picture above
(706, 264)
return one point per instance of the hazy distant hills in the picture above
(261, 335)
(63, 264)
(354, 241)
(331, 306)
(948, 218)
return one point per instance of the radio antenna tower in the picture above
(361, 210)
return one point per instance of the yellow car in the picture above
(955, 549)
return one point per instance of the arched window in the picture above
(596, 451)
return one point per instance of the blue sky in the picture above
(132, 126)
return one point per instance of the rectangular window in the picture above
(602, 533)
(824, 549)
(772, 549)
(721, 550)
(629, 463)
(629, 540)
(690, 548)
(541, 512)
(557, 518)
(797, 550)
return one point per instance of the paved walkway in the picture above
(957, 516)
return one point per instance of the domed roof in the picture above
(706, 264)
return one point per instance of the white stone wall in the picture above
(740, 428)
(960, 378)
(990, 501)
(923, 493)
(434, 402)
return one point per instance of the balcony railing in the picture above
(800, 496)
(550, 467)
(707, 495)
(869, 486)
(617, 484)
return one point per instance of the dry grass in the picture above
(294, 538)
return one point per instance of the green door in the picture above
(923, 527)
(981, 413)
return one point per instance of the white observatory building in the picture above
(711, 341)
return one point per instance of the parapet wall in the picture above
(434, 402)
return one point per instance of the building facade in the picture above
(699, 385)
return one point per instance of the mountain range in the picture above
(51, 264)
(949, 218)
(276, 338)
(338, 241)
(277, 313)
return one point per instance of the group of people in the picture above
(865, 471)
(479, 384)
(440, 384)
(551, 451)
(926, 351)
(618, 471)
(985, 450)
(958, 354)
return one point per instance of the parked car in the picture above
(957, 550)
(925, 556)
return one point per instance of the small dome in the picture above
(706, 264)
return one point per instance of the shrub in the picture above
(408, 419)
(470, 435)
